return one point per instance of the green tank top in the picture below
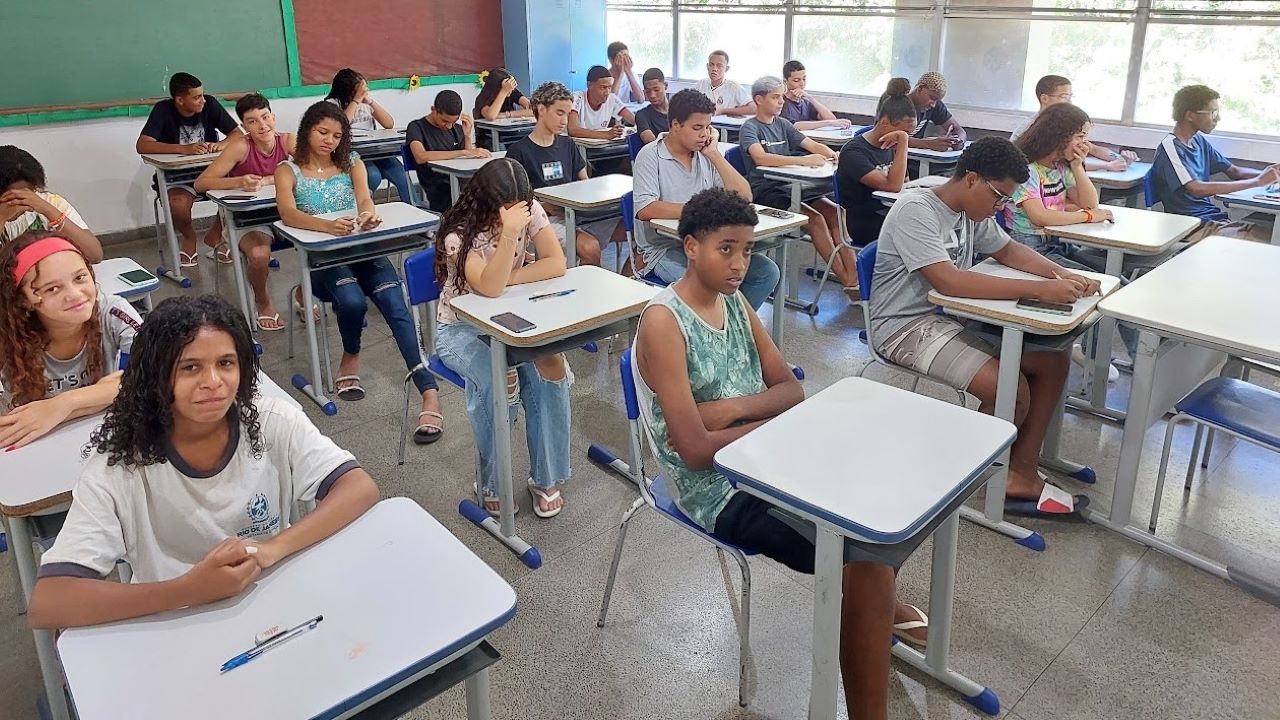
(722, 363)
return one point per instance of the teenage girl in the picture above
(350, 92)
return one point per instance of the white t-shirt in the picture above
(364, 116)
(32, 220)
(597, 119)
(162, 519)
(729, 95)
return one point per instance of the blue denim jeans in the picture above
(546, 407)
(761, 278)
(347, 286)
(391, 169)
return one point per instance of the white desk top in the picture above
(42, 474)
(1260, 197)
(175, 161)
(914, 455)
(927, 181)
(593, 143)
(1131, 176)
(398, 219)
(398, 592)
(599, 298)
(506, 122)
(585, 194)
(804, 172)
(828, 135)
(464, 166)
(766, 225)
(379, 135)
(933, 155)
(264, 196)
(1007, 312)
(1222, 291)
(1136, 231)
(108, 273)
(728, 121)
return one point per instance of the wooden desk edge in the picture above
(1132, 248)
(1016, 320)
(35, 508)
(549, 336)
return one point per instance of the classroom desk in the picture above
(505, 131)
(729, 125)
(767, 229)
(1263, 200)
(600, 302)
(38, 481)
(1016, 323)
(459, 169)
(928, 181)
(378, 144)
(1127, 182)
(239, 217)
(600, 149)
(173, 169)
(834, 137)
(1216, 299)
(108, 273)
(800, 178)
(412, 599)
(403, 227)
(1135, 232)
(927, 158)
(601, 193)
(799, 461)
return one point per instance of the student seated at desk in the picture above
(326, 176)
(768, 140)
(707, 373)
(550, 158)
(928, 242)
(247, 164)
(350, 91)
(874, 161)
(682, 163)
(444, 134)
(64, 338)
(1186, 160)
(188, 124)
(651, 120)
(927, 98)
(1055, 89)
(26, 204)
(730, 98)
(596, 111)
(799, 107)
(621, 69)
(499, 98)
(192, 478)
(485, 244)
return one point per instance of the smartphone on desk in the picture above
(1046, 306)
(775, 213)
(239, 197)
(513, 322)
(137, 277)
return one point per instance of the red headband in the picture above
(37, 251)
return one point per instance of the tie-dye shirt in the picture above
(1048, 184)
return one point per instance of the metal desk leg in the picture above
(477, 686)
(780, 294)
(313, 388)
(1100, 353)
(1051, 451)
(175, 274)
(936, 660)
(828, 596)
(924, 167)
(455, 187)
(1275, 229)
(570, 237)
(46, 653)
(792, 269)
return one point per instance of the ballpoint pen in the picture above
(274, 641)
(544, 296)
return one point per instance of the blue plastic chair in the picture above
(411, 169)
(842, 216)
(734, 156)
(863, 130)
(656, 494)
(634, 143)
(629, 224)
(1149, 188)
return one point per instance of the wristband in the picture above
(1088, 215)
(57, 224)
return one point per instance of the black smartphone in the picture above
(513, 322)
(775, 213)
(137, 277)
(1046, 306)
(239, 197)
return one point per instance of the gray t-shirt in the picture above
(779, 137)
(657, 175)
(1022, 127)
(921, 230)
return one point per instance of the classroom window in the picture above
(857, 54)
(648, 31)
(753, 40)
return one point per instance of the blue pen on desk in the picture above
(544, 296)
(272, 642)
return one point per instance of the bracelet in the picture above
(1088, 215)
(57, 224)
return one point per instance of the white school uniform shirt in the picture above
(729, 95)
(364, 116)
(164, 518)
(591, 119)
(32, 220)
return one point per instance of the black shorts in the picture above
(780, 197)
(746, 522)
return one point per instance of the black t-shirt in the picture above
(937, 115)
(863, 210)
(548, 166)
(651, 119)
(434, 140)
(165, 124)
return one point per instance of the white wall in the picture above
(94, 165)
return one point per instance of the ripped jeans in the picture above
(546, 407)
(347, 286)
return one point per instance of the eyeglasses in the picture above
(1213, 114)
(1064, 96)
(1001, 199)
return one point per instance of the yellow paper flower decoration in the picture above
(481, 78)
(415, 82)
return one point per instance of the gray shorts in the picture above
(940, 347)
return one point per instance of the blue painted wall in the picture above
(553, 40)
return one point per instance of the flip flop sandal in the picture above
(901, 629)
(220, 252)
(486, 499)
(274, 321)
(297, 306)
(541, 494)
(1054, 502)
(428, 432)
(352, 392)
(188, 259)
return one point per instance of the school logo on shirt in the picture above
(552, 171)
(262, 521)
(259, 508)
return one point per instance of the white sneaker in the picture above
(1078, 357)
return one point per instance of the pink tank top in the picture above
(255, 163)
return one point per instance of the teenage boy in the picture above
(248, 163)
(730, 98)
(651, 120)
(927, 97)
(800, 107)
(706, 373)
(552, 158)
(1185, 160)
(622, 72)
(768, 140)
(681, 163)
(444, 134)
(187, 124)
(928, 242)
(596, 110)
(1054, 89)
